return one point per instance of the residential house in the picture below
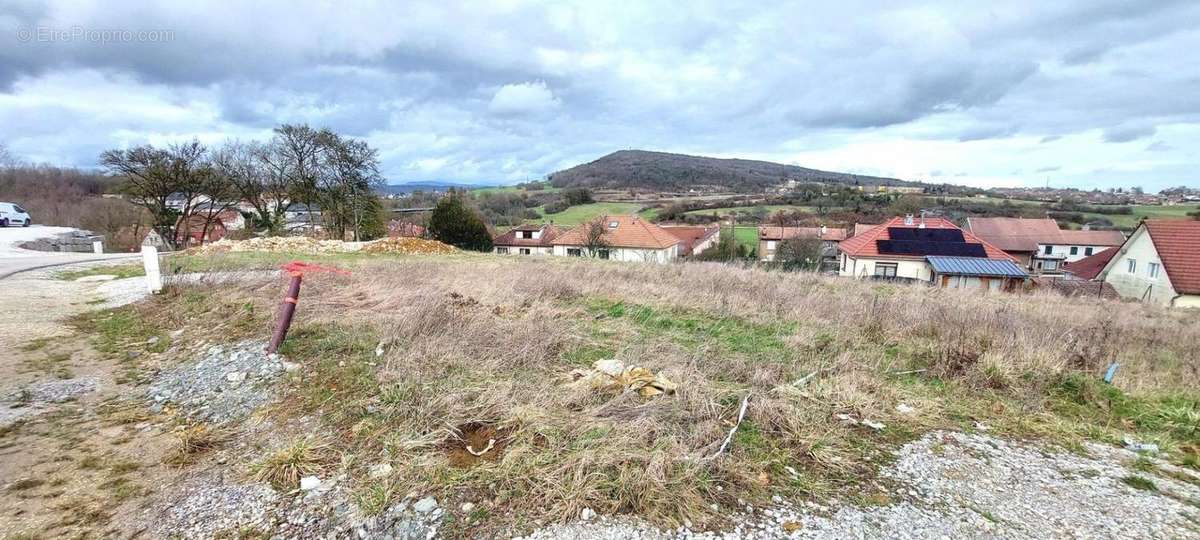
(694, 240)
(229, 216)
(1039, 244)
(300, 217)
(1088, 268)
(1159, 264)
(526, 240)
(928, 250)
(197, 229)
(624, 238)
(769, 239)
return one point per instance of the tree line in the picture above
(317, 168)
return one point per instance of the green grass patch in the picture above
(1139, 482)
(121, 271)
(694, 329)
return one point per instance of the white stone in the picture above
(587, 514)
(426, 505)
(235, 376)
(309, 483)
(380, 470)
(467, 507)
(905, 408)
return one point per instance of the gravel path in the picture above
(956, 485)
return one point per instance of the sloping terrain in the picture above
(660, 171)
(469, 395)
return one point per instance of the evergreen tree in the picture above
(454, 223)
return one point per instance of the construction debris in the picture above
(281, 244)
(613, 376)
(408, 246)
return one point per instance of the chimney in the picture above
(922, 225)
(823, 229)
(908, 219)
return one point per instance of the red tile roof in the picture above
(630, 232)
(1178, 244)
(690, 236)
(863, 245)
(860, 228)
(782, 233)
(1089, 267)
(549, 233)
(1024, 234)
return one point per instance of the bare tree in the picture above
(295, 155)
(6, 158)
(251, 170)
(594, 240)
(350, 175)
(167, 182)
(800, 254)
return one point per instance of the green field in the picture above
(746, 236)
(583, 213)
(770, 208)
(1129, 221)
(514, 189)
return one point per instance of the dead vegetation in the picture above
(416, 362)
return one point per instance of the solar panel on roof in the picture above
(923, 247)
(929, 235)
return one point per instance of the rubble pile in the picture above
(408, 246)
(280, 244)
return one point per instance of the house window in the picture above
(887, 270)
(524, 251)
(1087, 251)
(574, 252)
(844, 262)
(1131, 266)
(613, 224)
(526, 234)
(502, 251)
(1049, 250)
(1152, 270)
(1074, 250)
(602, 253)
(1050, 266)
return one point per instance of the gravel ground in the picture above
(955, 485)
(224, 383)
(35, 398)
(214, 504)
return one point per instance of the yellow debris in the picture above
(613, 376)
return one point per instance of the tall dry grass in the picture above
(477, 340)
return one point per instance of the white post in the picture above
(97, 247)
(150, 262)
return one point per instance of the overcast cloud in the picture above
(1082, 93)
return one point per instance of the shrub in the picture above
(454, 223)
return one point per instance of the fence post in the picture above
(153, 274)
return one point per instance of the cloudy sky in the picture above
(1087, 93)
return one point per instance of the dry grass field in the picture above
(411, 361)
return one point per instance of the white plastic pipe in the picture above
(153, 275)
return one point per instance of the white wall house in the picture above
(526, 240)
(1159, 264)
(625, 254)
(624, 238)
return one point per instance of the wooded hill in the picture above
(662, 171)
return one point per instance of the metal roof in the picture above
(975, 266)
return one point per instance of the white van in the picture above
(11, 214)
